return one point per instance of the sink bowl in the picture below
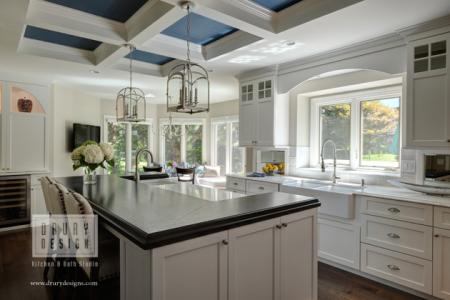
(336, 199)
(147, 176)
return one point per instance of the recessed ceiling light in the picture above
(278, 47)
(92, 71)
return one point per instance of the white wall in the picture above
(70, 106)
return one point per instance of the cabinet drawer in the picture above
(408, 238)
(236, 184)
(258, 187)
(442, 217)
(398, 210)
(400, 268)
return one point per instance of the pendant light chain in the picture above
(188, 33)
(131, 65)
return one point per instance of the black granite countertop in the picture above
(152, 217)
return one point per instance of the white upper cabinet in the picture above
(263, 114)
(428, 98)
(24, 128)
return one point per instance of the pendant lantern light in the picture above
(188, 82)
(130, 102)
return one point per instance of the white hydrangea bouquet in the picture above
(91, 156)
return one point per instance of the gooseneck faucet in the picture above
(137, 178)
(334, 158)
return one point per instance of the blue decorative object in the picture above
(203, 30)
(54, 37)
(276, 5)
(117, 10)
(149, 57)
(256, 174)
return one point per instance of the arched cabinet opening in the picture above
(23, 101)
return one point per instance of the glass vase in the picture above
(90, 177)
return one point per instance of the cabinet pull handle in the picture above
(394, 210)
(225, 242)
(284, 224)
(393, 267)
(235, 183)
(393, 235)
(261, 188)
(278, 226)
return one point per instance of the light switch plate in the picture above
(408, 166)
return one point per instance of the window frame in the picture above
(128, 137)
(228, 120)
(183, 122)
(354, 99)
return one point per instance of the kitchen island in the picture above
(175, 245)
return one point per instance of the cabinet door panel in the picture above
(339, 242)
(191, 270)
(247, 124)
(253, 261)
(430, 102)
(298, 260)
(441, 264)
(265, 130)
(27, 142)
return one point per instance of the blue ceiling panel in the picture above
(203, 30)
(117, 10)
(150, 57)
(276, 5)
(54, 37)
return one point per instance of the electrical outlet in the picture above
(408, 166)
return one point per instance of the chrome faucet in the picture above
(137, 178)
(334, 159)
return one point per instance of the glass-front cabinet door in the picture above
(247, 93)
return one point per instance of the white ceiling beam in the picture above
(173, 47)
(241, 14)
(307, 10)
(62, 19)
(138, 67)
(232, 42)
(44, 49)
(147, 22)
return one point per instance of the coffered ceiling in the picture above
(69, 37)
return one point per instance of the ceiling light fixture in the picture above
(188, 83)
(130, 102)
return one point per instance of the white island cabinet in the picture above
(269, 260)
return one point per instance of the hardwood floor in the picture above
(335, 284)
(16, 273)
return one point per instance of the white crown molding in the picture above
(426, 29)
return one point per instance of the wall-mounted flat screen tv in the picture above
(83, 133)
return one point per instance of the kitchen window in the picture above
(185, 143)
(126, 139)
(225, 150)
(364, 125)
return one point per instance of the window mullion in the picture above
(183, 142)
(229, 148)
(355, 133)
(128, 150)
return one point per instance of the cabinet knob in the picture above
(394, 210)
(284, 224)
(235, 183)
(225, 242)
(393, 235)
(436, 235)
(278, 226)
(393, 267)
(448, 141)
(261, 188)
